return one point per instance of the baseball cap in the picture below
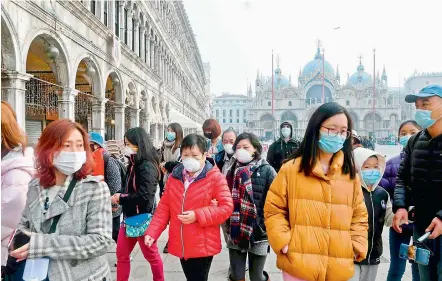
(428, 91)
(96, 138)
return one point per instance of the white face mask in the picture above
(191, 165)
(128, 151)
(243, 156)
(228, 148)
(69, 162)
(286, 132)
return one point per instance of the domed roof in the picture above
(360, 77)
(279, 79)
(316, 65)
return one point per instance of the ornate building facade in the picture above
(296, 104)
(110, 65)
(230, 111)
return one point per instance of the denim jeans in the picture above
(397, 265)
(432, 271)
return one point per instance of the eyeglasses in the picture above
(335, 132)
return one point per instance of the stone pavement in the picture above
(140, 269)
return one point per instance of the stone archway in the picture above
(10, 53)
(114, 110)
(267, 125)
(314, 95)
(88, 84)
(289, 116)
(368, 124)
(355, 120)
(47, 98)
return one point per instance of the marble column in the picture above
(129, 28)
(98, 116)
(121, 23)
(66, 103)
(119, 121)
(136, 48)
(151, 51)
(14, 92)
(134, 117)
(145, 116)
(142, 53)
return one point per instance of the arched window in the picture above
(270, 103)
(290, 103)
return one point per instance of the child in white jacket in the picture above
(371, 167)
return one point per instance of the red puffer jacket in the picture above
(201, 238)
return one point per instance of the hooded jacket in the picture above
(281, 150)
(378, 203)
(17, 171)
(322, 218)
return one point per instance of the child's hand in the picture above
(214, 203)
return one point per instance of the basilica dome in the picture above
(313, 67)
(360, 77)
(279, 79)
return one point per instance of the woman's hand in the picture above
(116, 198)
(21, 253)
(285, 249)
(187, 217)
(148, 240)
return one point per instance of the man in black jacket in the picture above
(283, 147)
(420, 178)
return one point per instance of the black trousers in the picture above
(197, 269)
(115, 228)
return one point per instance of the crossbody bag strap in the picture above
(65, 199)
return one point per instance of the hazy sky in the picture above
(237, 37)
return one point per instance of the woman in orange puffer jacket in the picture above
(315, 213)
(196, 201)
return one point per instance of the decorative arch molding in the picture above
(64, 77)
(97, 79)
(120, 96)
(14, 48)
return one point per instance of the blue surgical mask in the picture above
(371, 176)
(330, 144)
(404, 140)
(423, 117)
(170, 136)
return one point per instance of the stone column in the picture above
(121, 31)
(119, 121)
(151, 51)
(66, 103)
(145, 116)
(142, 53)
(129, 28)
(134, 117)
(136, 48)
(14, 92)
(98, 116)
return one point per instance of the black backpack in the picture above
(121, 166)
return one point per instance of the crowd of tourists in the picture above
(320, 202)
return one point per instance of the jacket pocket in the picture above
(292, 245)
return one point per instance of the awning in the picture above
(185, 122)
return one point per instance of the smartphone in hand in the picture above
(17, 240)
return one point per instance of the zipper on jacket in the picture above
(372, 236)
(182, 225)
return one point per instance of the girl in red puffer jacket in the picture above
(196, 201)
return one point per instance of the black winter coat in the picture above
(262, 178)
(279, 151)
(420, 178)
(376, 203)
(141, 187)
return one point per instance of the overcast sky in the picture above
(237, 37)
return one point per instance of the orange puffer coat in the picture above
(322, 218)
(201, 238)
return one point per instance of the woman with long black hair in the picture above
(315, 213)
(138, 201)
